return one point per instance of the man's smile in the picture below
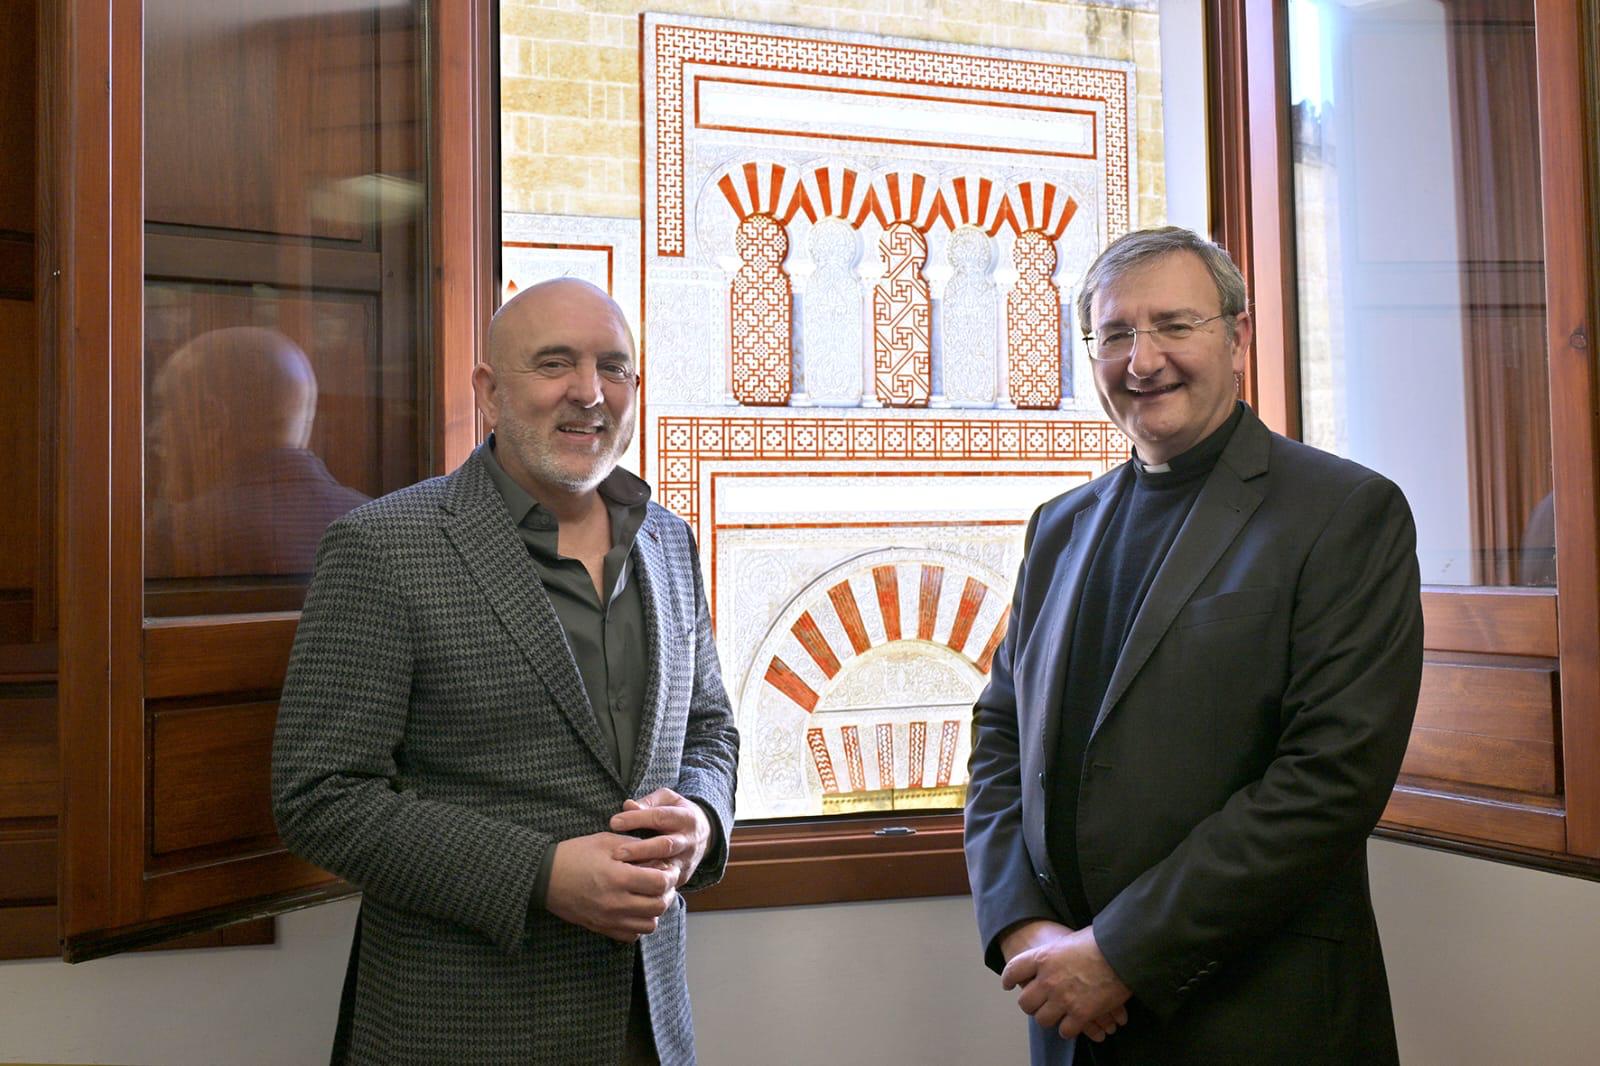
(1155, 390)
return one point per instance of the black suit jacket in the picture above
(1248, 741)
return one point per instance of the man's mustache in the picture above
(607, 421)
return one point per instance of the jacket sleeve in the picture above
(1354, 671)
(708, 769)
(341, 720)
(1004, 891)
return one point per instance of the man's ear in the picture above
(486, 394)
(1244, 330)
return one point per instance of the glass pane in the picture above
(1416, 164)
(284, 229)
(852, 255)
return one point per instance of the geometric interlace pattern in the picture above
(1033, 324)
(901, 312)
(761, 314)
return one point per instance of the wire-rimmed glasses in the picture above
(1111, 345)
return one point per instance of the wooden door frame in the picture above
(1567, 157)
(1252, 191)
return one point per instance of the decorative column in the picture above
(761, 314)
(901, 311)
(1033, 325)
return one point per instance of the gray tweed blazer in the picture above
(435, 738)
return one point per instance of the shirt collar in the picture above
(1203, 456)
(621, 488)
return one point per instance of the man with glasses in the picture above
(1198, 712)
(504, 723)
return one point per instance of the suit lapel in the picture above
(649, 561)
(1225, 504)
(1059, 612)
(477, 526)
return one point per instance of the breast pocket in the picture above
(1227, 606)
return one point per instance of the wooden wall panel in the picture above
(211, 770)
(28, 856)
(19, 473)
(1477, 818)
(28, 932)
(237, 653)
(30, 762)
(1484, 756)
(1498, 698)
(1498, 622)
(265, 118)
(1524, 766)
(30, 802)
(30, 770)
(18, 51)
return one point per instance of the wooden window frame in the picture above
(94, 80)
(1253, 216)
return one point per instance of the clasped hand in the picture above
(1066, 983)
(618, 885)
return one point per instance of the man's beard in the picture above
(548, 467)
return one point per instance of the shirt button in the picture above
(1041, 778)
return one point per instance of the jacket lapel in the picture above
(649, 561)
(1225, 504)
(478, 528)
(1058, 613)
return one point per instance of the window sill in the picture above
(844, 860)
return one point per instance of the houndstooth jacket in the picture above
(434, 739)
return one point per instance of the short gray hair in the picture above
(1134, 250)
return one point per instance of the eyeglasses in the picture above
(554, 367)
(1110, 345)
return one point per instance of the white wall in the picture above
(220, 1007)
(884, 983)
(1489, 965)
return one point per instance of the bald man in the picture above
(505, 723)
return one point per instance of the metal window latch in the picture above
(894, 831)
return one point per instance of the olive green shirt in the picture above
(606, 636)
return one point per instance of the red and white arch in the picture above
(874, 668)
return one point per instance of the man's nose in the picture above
(1145, 358)
(583, 384)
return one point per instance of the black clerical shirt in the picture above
(1147, 513)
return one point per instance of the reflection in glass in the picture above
(235, 490)
(1420, 263)
(285, 253)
